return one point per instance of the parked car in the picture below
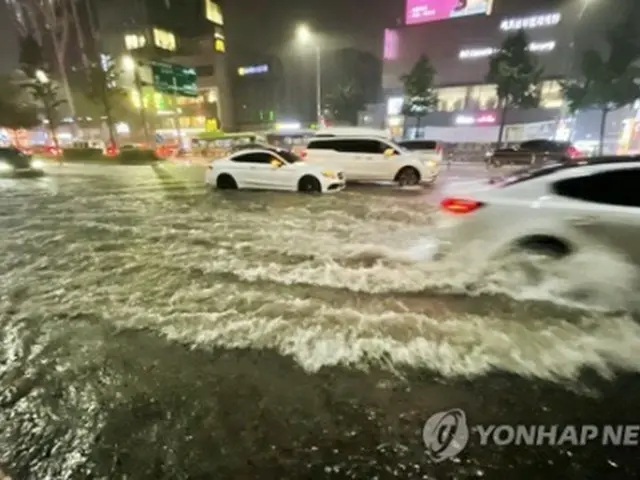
(272, 169)
(533, 152)
(555, 210)
(368, 158)
(15, 162)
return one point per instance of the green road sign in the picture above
(175, 79)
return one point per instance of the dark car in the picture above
(534, 152)
(14, 161)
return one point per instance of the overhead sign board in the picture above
(424, 11)
(174, 79)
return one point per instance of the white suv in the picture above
(371, 158)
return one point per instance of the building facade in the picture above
(258, 92)
(459, 45)
(188, 33)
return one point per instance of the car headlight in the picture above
(5, 167)
(329, 174)
(37, 164)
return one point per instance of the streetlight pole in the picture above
(176, 112)
(305, 35)
(570, 59)
(318, 86)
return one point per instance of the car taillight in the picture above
(303, 154)
(439, 149)
(459, 206)
(573, 152)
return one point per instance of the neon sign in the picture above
(424, 11)
(482, 119)
(484, 52)
(253, 70)
(529, 23)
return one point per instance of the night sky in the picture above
(254, 24)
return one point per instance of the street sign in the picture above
(174, 79)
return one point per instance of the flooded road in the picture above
(154, 329)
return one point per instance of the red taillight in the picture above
(439, 149)
(303, 154)
(573, 152)
(459, 206)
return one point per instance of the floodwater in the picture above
(154, 329)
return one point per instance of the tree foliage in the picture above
(420, 96)
(47, 96)
(608, 78)
(16, 111)
(345, 102)
(515, 72)
(103, 88)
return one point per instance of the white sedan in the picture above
(271, 169)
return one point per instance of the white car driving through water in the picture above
(271, 169)
(367, 157)
(556, 211)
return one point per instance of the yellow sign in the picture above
(211, 125)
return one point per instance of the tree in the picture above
(52, 17)
(515, 72)
(16, 111)
(47, 94)
(345, 103)
(103, 89)
(608, 81)
(420, 95)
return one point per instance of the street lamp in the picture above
(131, 65)
(41, 76)
(570, 59)
(306, 37)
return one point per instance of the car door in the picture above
(364, 159)
(605, 206)
(254, 169)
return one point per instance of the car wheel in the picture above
(544, 245)
(408, 176)
(309, 184)
(226, 182)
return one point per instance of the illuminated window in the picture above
(452, 99)
(164, 39)
(213, 12)
(551, 95)
(133, 41)
(218, 45)
(482, 97)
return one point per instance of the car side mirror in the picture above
(389, 152)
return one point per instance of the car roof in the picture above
(574, 168)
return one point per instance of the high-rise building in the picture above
(459, 40)
(188, 33)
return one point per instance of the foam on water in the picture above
(338, 280)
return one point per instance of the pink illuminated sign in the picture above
(423, 11)
(391, 44)
(481, 118)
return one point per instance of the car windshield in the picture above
(288, 156)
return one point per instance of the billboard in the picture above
(423, 11)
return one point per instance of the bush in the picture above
(82, 154)
(133, 157)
